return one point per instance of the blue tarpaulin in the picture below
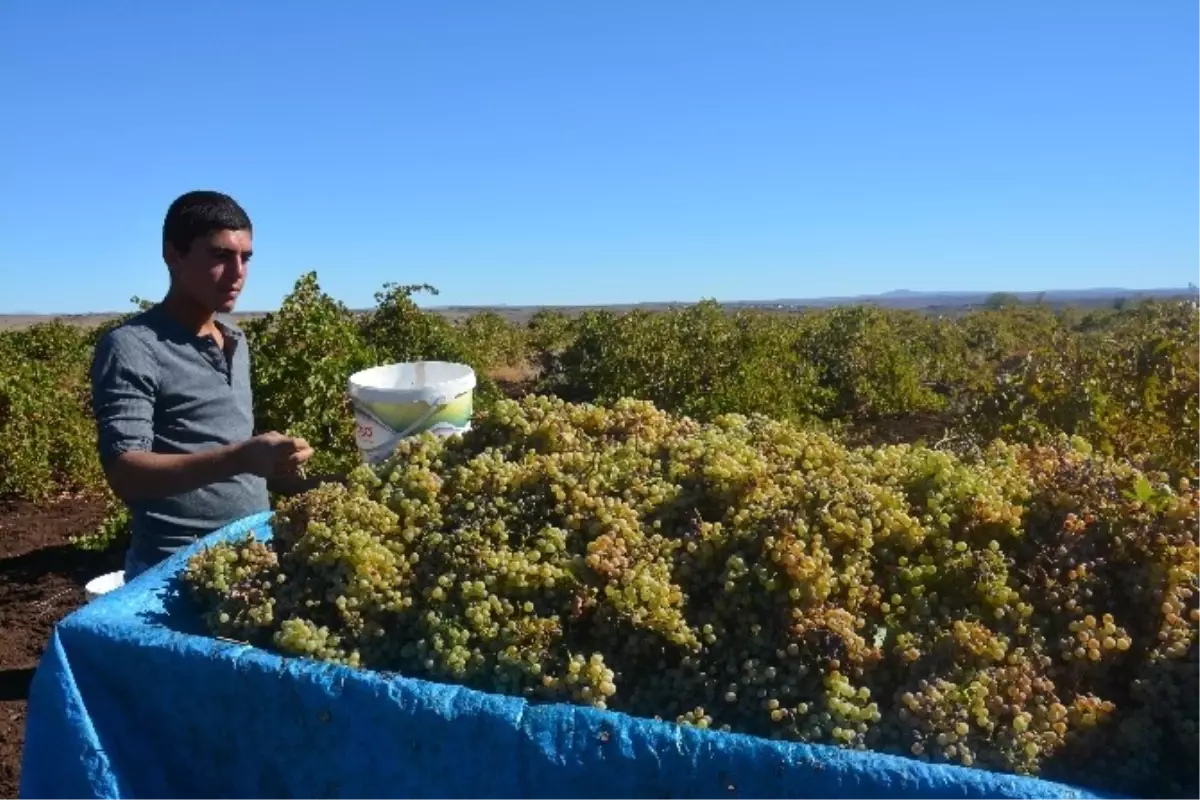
(131, 699)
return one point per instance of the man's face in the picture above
(213, 271)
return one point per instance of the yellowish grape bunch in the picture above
(1032, 610)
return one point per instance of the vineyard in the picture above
(966, 539)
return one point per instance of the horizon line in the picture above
(894, 294)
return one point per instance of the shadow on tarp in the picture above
(175, 610)
(127, 702)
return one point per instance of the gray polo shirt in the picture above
(158, 387)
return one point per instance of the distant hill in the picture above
(934, 302)
(904, 298)
(901, 299)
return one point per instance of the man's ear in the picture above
(170, 257)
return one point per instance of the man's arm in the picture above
(124, 385)
(141, 475)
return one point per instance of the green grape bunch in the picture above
(1031, 609)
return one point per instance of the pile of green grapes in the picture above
(1033, 610)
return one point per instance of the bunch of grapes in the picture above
(1032, 610)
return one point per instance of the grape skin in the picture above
(1023, 612)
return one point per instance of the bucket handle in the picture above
(437, 405)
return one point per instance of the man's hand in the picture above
(273, 455)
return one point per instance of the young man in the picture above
(172, 400)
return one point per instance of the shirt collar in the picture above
(159, 313)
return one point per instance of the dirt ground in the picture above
(41, 581)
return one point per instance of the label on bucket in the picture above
(376, 440)
(368, 434)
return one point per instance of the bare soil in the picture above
(41, 581)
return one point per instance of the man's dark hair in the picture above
(200, 213)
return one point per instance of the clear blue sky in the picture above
(552, 152)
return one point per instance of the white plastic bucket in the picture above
(396, 401)
(104, 584)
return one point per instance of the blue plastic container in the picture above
(131, 699)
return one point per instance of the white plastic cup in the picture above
(104, 584)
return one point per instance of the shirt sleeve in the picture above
(123, 393)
